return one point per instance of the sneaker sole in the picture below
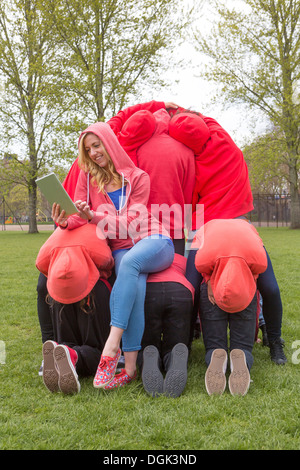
(68, 379)
(50, 374)
(215, 378)
(152, 377)
(239, 379)
(176, 376)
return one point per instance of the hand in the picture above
(84, 210)
(210, 294)
(169, 104)
(58, 216)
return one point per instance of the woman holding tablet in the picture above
(113, 194)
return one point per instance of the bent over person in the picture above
(230, 258)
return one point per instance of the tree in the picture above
(30, 103)
(67, 63)
(268, 164)
(114, 49)
(255, 51)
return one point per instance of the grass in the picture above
(31, 418)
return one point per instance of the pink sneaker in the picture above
(120, 380)
(106, 370)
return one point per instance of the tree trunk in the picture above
(32, 196)
(295, 199)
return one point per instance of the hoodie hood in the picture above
(162, 120)
(121, 160)
(233, 284)
(72, 274)
(191, 130)
(136, 131)
(73, 261)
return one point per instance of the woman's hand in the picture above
(170, 104)
(210, 293)
(84, 210)
(58, 216)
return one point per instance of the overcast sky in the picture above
(195, 93)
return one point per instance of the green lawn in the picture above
(128, 419)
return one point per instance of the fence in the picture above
(271, 210)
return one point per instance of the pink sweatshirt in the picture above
(132, 221)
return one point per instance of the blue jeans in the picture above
(132, 266)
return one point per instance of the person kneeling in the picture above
(77, 266)
(168, 309)
(230, 257)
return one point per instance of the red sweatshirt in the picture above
(132, 221)
(175, 273)
(169, 163)
(231, 255)
(222, 180)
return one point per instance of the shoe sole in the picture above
(239, 379)
(176, 376)
(50, 374)
(67, 376)
(215, 378)
(152, 377)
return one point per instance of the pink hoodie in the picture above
(132, 221)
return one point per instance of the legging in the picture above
(127, 298)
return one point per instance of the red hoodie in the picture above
(222, 180)
(169, 163)
(117, 122)
(132, 221)
(231, 255)
(73, 262)
(175, 273)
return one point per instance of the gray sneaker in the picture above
(176, 376)
(152, 377)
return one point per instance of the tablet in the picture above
(53, 191)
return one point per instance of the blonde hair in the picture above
(100, 176)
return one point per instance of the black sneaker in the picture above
(276, 351)
(265, 340)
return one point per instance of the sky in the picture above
(196, 93)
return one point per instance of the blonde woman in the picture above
(113, 194)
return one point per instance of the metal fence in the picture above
(272, 210)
